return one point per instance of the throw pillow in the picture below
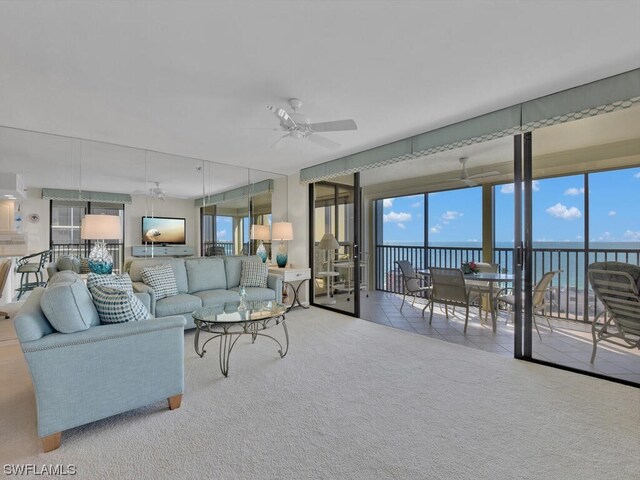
(162, 279)
(84, 266)
(254, 274)
(119, 282)
(118, 306)
(68, 306)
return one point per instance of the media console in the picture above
(162, 251)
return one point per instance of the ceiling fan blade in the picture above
(273, 145)
(468, 182)
(486, 174)
(285, 120)
(322, 141)
(335, 126)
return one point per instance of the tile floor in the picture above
(569, 344)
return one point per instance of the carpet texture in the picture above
(351, 400)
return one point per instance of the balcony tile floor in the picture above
(569, 344)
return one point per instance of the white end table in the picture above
(293, 278)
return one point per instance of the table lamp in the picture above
(260, 232)
(101, 228)
(282, 231)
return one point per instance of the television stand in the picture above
(162, 251)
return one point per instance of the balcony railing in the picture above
(82, 251)
(570, 295)
(218, 248)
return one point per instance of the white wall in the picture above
(290, 203)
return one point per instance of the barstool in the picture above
(26, 269)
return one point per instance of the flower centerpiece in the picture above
(469, 267)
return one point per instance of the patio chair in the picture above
(26, 268)
(539, 301)
(617, 286)
(413, 283)
(448, 287)
(5, 269)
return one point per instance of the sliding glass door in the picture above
(335, 252)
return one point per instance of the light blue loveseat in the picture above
(104, 370)
(201, 282)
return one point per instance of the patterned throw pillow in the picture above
(162, 279)
(117, 306)
(254, 274)
(119, 282)
(84, 266)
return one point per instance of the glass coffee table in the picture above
(229, 321)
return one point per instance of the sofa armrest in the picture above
(139, 287)
(274, 282)
(108, 369)
(145, 298)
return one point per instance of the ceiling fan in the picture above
(299, 126)
(156, 191)
(468, 179)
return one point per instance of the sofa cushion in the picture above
(69, 307)
(119, 282)
(64, 276)
(182, 303)
(162, 279)
(30, 322)
(179, 270)
(233, 267)
(257, 293)
(117, 306)
(217, 297)
(206, 274)
(254, 274)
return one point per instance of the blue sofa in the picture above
(202, 282)
(101, 371)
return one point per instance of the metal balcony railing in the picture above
(570, 295)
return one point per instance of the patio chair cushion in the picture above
(69, 307)
(632, 270)
(117, 306)
(162, 279)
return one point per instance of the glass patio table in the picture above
(491, 278)
(229, 321)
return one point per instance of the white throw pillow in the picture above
(162, 279)
(254, 274)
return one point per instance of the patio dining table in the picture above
(491, 278)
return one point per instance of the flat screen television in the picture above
(164, 230)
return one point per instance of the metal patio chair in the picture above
(413, 284)
(27, 268)
(617, 286)
(539, 300)
(449, 287)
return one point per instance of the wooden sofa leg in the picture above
(175, 401)
(52, 442)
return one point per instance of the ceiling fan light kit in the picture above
(299, 126)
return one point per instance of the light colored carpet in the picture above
(352, 400)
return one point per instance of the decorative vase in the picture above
(282, 257)
(262, 252)
(100, 260)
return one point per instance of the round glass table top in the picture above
(232, 312)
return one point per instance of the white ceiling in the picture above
(193, 78)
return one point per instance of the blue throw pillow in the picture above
(118, 306)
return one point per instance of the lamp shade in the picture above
(328, 242)
(101, 227)
(282, 231)
(260, 232)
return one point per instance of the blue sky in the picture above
(558, 212)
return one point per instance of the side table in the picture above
(293, 278)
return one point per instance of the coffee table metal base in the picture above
(229, 333)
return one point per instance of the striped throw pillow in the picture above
(254, 274)
(117, 306)
(162, 279)
(119, 282)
